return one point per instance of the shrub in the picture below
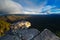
(4, 27)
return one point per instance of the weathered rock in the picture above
(48, 35)
(31, 34)
(27, 34)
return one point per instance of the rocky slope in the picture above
(32, 35)
(47, 35)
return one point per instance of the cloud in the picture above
(34, 13)
(35, 9)
(47, 8)
(10, 7)
(55, 11)
(32, 4)
(43, 10)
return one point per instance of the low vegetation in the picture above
(4, 27)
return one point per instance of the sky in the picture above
(31, 6)
(40, 6)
